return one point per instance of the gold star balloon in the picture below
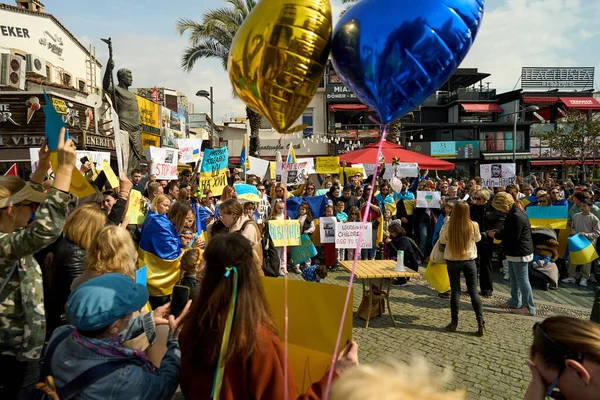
(278, 58)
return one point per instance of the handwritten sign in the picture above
(348, 233)
(305, 251)
(164, 162)
(135, 208)
(351, 171)
(327, 165)
(213, 172)
(80, 186)
(110, 174)
(401, 170)
(428, 199)
(290, 173)
(327, 229)
(285, 232)
(190, 150)
(498, 174)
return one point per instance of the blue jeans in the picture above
(521, 293)
(369, 254)
(422, 231)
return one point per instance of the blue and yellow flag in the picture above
(247, 192)
(291, 158)
(213, 172)
(244, 160)
(553, 217)
(581, 250)
(529, 200)
(160, 250)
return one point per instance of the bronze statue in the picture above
(126, 105)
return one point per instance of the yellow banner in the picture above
(327, 165)
(135, 208)
(150, 140)
(272, 169)
(312, 335)
(148, 112)
(214, 181)
(285, 232)
(351, 171)
(80, 186)
(110, 174)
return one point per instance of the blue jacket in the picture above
(131, 382)
(437, 229)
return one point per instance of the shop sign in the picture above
(55, 44)
(59, 105)
(443, 149)
(148, 112)
(368, 133)
(150, 140)
(557, 78)
(14, 31)
(336, 91)
(16, 141)
(420, 147)
(6, 115)
(279, 146)
(466, 149)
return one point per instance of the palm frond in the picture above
(205, 49)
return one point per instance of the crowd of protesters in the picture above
(68, 271)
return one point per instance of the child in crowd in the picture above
(399, 241)
(191, 271)
(387, 219)
(314, 273)
(186, 238)
(249, 210)
(443, 218)
(278, 213)
(588, 225)
(331, 260)
(353, 217)
(341, 217)
(307, 226)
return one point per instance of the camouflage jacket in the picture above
(22, 315)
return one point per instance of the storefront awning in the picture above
(560, 162)
(481, 107)
(348, 107)
(540, 100)
(581, 103)
(505, 156)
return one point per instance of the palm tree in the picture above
(212, 38)
(349, 3)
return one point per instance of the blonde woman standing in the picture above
(460, 236)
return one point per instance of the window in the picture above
(81, 85)
(48, 77)
(307, 119)
(67, 79)
(500, 141)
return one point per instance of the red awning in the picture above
(348, 107)
(540, 100)
(582, 103)
(481, 107)
(559, 162)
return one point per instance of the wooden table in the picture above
(376, 269)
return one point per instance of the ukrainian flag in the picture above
(160, 250)
(581, 251)
(553, 217)
(291, 158)
(202, 213)
(244, 161)
(529, 200)
(246, 192)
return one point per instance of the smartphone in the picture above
(179, 298)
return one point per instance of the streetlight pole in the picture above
(209, 96)
(516, 118)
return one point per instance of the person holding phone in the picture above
(253, 355)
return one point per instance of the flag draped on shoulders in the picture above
(160, 250)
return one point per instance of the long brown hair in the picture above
(557, 336)
(83, 224)
(460, 228)
(203, 328)
(178, 213)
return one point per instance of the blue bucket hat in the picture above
(101, 301)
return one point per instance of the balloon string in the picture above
(285, 291)
(356, 255)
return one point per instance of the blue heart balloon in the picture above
(393, 54)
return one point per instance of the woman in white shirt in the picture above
(460, 235)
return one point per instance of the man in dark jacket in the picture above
(348, 200)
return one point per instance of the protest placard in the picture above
(110, 174)
(190, 150)
(497, 174)
(258, 167)
(291, 173)
(327, 229)
(272, 169)
(369, 169)
(305, 251)
(285, 232)
(80, 186)
(164, 162)
(309, 168)
(141, 276)
(135, 208)
(96, 157)
(327, 165)
(428, 199)
(312, 335)
(348, 233)
(213, 172)
(401, 170)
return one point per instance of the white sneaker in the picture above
(569, 280)
(583, 282)
(506, 277)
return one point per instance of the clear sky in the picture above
(515, 33)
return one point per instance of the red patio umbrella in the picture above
(368, 155)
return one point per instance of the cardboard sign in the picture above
(135, 208)
(348, 233)
(291, 173)
(312, 328)
(351, 171)
(80, 186)
(327, 229)
(369, 169)
(327, 165)
(401, 170)
(285, 232)
(428, 199)
(96, 157)
(258, 167)
(110, 175)
(213, 172)
(190, 150)
(141, 276)
(497, 174)
(305, 251)
(164, 163)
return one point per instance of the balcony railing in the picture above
(356, 131)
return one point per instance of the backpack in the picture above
(46, 389)
(270, 258)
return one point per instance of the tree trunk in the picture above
(393, 132)
(254, 120)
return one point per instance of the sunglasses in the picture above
(261, 189)
(236, 179)
(477, 198)
(307, 189)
